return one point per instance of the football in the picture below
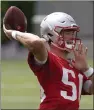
(15, 19)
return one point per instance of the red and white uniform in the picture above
(61, 83)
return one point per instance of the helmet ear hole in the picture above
(50, 34)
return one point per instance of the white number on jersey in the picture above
(42, 95)
(65, 80)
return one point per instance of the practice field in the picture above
(20, 89)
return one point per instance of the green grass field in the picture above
(20, 89)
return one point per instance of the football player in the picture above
(62, 80)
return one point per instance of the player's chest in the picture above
(65, 71)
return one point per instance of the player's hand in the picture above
(80, 58)
(7, 32)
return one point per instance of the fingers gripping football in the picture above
(15, 19)
(7, 32)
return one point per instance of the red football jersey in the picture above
(61, 83)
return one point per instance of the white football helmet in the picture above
(52, 25)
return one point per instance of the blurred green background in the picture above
(26, 6)
(20, 89)
(19, 86)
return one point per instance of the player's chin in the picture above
(68, 50)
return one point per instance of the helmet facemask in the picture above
(51, 27)
(69, 43)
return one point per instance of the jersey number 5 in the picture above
(65, 80)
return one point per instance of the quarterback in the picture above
(62, 80)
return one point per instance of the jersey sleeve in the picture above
(33, 64)
(86, 84)
(42, 68)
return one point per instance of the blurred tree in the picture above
(4, 6)
(26, 6)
